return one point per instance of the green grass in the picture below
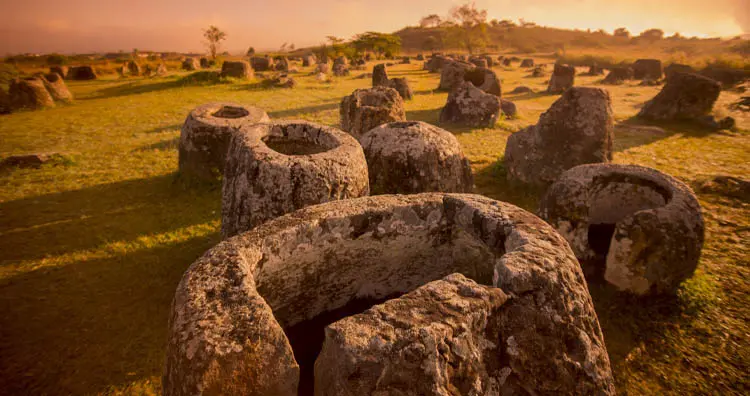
(92, 246)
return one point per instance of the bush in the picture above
(57, 60)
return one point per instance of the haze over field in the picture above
(79, 26)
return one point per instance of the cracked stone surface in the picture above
(685, 96)
(640, 229)
(414, 157)
(440, 339)
(577, 129)
(470, 106)
(366, 109)
(453, 74)
(206, 133)
(234, 305)
(484, 79)
(278, 167)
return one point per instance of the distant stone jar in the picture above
(57, 88)
(563, 78)
(577, 129)
(237, 69)
(29, 93)
(190, 64)
(413, 157)
(470, 106)
(81, 73)
(639, 229)
(365, 109)
(249, 316)
(278, 167)
(206, 133)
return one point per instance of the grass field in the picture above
(93, 246)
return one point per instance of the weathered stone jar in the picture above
(249, 317)
(414, 157)
(279, 167)
(640, 229)
(205, 136)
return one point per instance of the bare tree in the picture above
(214, 36)
(430, 21)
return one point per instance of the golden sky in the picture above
(80, 26)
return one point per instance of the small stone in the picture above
(366, 109)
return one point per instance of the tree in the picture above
(652, 35)
(430, 21)
(621, 32)
(250, 51)
(431, 43)
(471, 26)
(381, 43)
(214, 36)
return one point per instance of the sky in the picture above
(81, 26)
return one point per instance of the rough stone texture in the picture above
(232, 306)
(685, 96)
(134, 68)
(470, 106)
(261, 63)
(29, 93)
(323, 68)
(507, 62)
(401, 85)
(577, 129)
(282, 64)
(365, 109)
(440, 339)
(206, 134)
(414, 157)
(479, 62)
(484, 79)
(618, 75)
(726, 76)
(508, 108)
(595, 70)
(340, 70)
(538, 72)
(527, 62)
(677, 67)
(279, 167)
(379, 76)
(309, 60)
(61, 70)
(436, 63)
(647, 69)
(161, 70)
(521, 90)
(642, 229)
(237, 69)
(57, 88)
(490, 61)
(563, 78)
(5, 106)
(453, 73)
(81, 73)
(190, 64)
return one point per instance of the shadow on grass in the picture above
(492, 181)
(303, 110)
(200, 78)
(167, 144)
(98, 319)
(93, 325)
(167, 128)
(635, 132)
(54, 224)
